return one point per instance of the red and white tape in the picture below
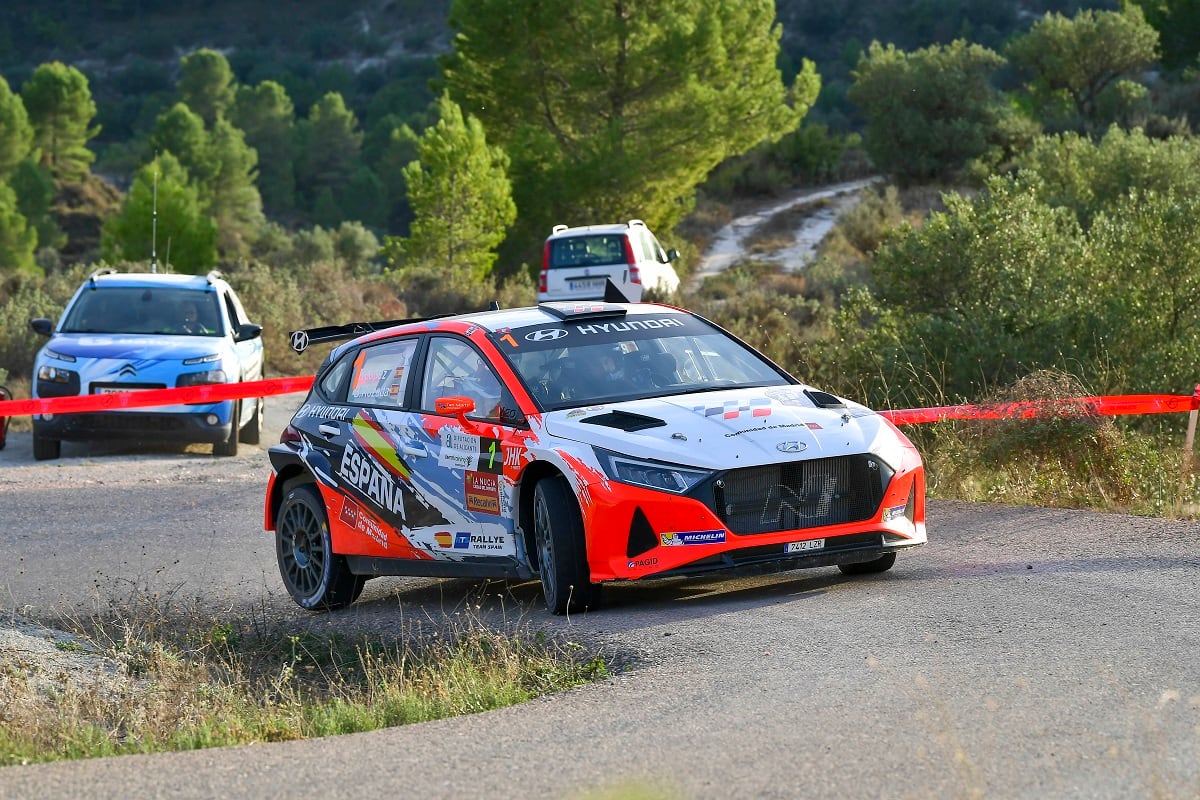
(208, 393)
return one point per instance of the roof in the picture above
(176, 280)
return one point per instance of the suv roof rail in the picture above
(214, 275)
(102, 271)
(557, 229)
(634, 222)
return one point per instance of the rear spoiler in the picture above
(301, 340)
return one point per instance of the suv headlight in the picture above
(54, 374)
(656, 475)
(201, 378)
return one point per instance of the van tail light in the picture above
(634, 275)
(544, 274)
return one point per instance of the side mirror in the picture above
(247, 331)
(672, 254)
(454, 406)
(42, 325)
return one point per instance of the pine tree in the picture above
(206, 84)
(61, 109)
(16, 134)
(266, 115)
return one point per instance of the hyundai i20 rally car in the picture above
(575, 443)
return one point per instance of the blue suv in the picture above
(130, 331)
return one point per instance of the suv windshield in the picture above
(144, 309)
(628, 363)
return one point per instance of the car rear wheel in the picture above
(316, 577)
(881, 564)
(252, 432)
(229, 447)
(562, 554)
(45, 449)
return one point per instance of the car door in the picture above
(369, 453)
(464, 463)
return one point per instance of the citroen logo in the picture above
(299, 341)
(129, 370)
(791, 447)
(546, 335)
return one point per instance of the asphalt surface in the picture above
(1023, 653)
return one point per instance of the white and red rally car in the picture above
(576, 443)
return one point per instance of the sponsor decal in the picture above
(460, 450)
(813, 426)
(766, 428)
(732, 409)
(546, 335)
(324, 411)
(638, 563)
(483, 492)
(578, 412)
(364, 474)
(472, 542)
(895, 512)
(692, 537)
(630, 325)
(362, 521)
(512, 457)
(491, 459)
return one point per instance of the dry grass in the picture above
(144, 680)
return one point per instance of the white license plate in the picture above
(802, 547)
(584, 286)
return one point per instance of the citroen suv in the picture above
(128, 331)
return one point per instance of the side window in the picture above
(455, 369)
(332, 385)
(380, 374)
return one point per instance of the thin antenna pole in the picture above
(154, 221)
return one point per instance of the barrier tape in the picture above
(1111, 405)
(208, 393)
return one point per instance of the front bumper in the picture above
(210, 425)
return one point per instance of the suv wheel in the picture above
(229, 447)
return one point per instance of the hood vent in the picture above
(824, 399)
(625, 421)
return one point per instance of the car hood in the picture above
(145, 347)
(735, 428)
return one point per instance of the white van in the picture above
(576, 261)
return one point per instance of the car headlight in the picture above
(208, 359)
(54, 374)
(201, 378)
(656, 475)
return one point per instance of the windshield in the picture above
(141, 309)
(614, 362)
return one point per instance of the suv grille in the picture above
(800, 494)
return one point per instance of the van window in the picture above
(587, 251)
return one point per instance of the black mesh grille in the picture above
(144, 423)
(800, 494)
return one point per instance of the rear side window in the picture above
(587, 251)
(381, 374)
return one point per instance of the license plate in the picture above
(584, 286)
(129, 387)
(802, 547)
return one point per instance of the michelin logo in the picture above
(692, 537)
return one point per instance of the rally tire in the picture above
(881, 564)
(562, 553)
(229, 447)
(316, 577)
(252, 432)
(45, 449)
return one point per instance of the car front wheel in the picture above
(45, 449)
(252, 431)
(562, 554)
(316, 577)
